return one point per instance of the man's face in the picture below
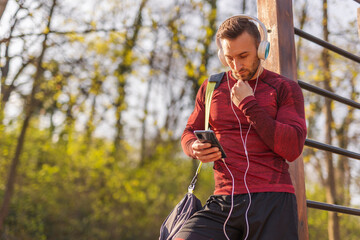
(241, 56)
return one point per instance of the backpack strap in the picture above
(216, 78)
(213, 83)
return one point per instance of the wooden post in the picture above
(277, 16)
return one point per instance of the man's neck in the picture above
(257, 73)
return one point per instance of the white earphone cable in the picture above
(232, 200)
(247, 168)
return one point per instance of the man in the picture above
(258, 117)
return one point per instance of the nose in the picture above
(238, 65)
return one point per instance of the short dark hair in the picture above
(237, 25)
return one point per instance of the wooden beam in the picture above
(277, 16)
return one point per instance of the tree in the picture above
(124, 68)
(330, 185)
(29, 110)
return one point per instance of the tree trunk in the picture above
(144, 150)
(29, 110)
(244, 6)
(333, 220)
(12, 172)
(343, 174)
(96, 86)
(123, 70)
(302, 20)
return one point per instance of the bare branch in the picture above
(2, 7)
(4, 40)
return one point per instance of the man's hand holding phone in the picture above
(207, 148)
(204, 152)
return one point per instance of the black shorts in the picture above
(272, 216)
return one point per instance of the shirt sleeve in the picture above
(196, 121)
(285, 134)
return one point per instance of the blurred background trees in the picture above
(95, 96)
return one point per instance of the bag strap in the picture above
(213, 83)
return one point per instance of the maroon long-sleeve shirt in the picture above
(278, 132)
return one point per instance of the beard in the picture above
(246, 74)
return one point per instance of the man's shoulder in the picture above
(286, 88)
(278, 80)
(217, 78)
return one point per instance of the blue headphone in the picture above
(264, 46)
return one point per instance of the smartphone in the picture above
(208, 136)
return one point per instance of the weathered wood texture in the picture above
(277, 16)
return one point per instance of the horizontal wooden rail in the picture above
(332, 207)
(328, 94)
(329, 148)
(327, 45)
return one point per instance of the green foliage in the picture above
(318, 219)
(68, 190)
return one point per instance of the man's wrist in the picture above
(245, 100)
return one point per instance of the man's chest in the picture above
(224, 114)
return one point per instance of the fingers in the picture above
(242, 85)
(241, 90)
(205, 153)
(208, 155)
(234, 99)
